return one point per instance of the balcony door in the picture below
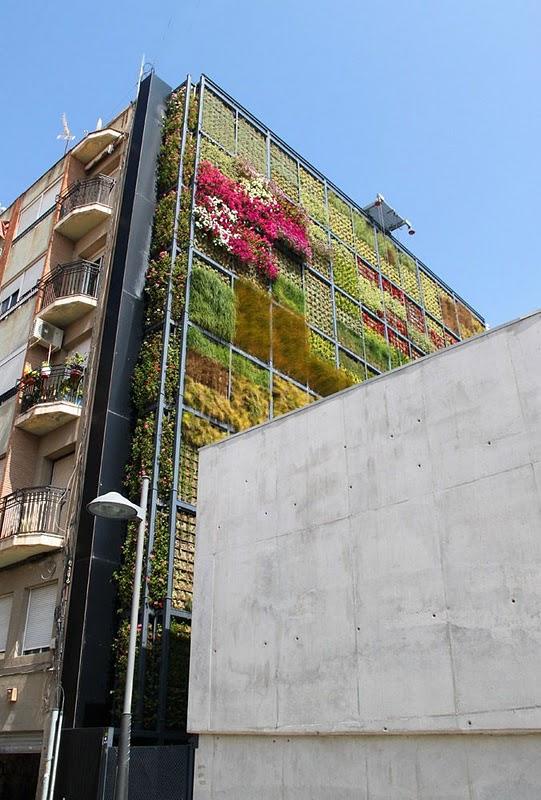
(61, 472)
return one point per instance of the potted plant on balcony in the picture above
(76, 365)
(45, 370)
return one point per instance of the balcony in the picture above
(95, 143)
(69, 292)
(85, 205)
(50, 401)
(30, 523)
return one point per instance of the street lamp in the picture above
(114, 506)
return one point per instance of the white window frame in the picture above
(9, 599)
(39, 205)
(45, 648)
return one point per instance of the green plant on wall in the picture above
(288, 294)
(212, 303)
(370, 295)
(377, 349)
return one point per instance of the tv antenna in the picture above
(66, 134)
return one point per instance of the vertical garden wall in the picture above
(266, 289)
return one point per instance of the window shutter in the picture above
(5, 614)
(40, 617)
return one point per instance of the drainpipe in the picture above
(51, 739)
(51, 756)
(56, 746)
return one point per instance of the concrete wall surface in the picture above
(454, 767)
(370, 565)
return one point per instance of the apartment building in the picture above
(56, 251)
(195, 277)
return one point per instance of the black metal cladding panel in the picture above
(156, 773)
(81, 752)
(92, 603)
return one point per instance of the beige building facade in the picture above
(55, 256)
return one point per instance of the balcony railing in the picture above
(64, 384)
(67, 280)
(86, 193)
(33, 511)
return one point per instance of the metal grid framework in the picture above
(361, 289)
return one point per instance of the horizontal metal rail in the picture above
(63, 384)
(34, 510)
(87, 192)
(77, 277)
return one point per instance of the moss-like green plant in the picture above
(247, 369)
(288, 294)
(377, 349)
(349, 338)
(290, 343)
(354, 369)
(252, 332)
(201, 344)
(325, 378)
(198, 432)
(212, 303)
(287, 397)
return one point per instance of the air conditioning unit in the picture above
(46, 335)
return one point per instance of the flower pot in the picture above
(45, 371)
(75, 373)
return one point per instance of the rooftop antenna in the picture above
(66, 134)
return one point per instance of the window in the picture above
(5, 614)
(40, 619)
(21, 285)
(9, 302)
(38, 207)
(11, 368)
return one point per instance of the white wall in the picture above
(371, 565)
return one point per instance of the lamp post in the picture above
(114, 506)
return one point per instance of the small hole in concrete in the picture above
(294, 504)
(358, 629)
(384, 729)
(418, 420)
(489, 442)
(350, 486)
(391, 436)
(296, 638)
(246, 480)
(265, 643)
(469, 722)
(419, 466)
(513, 600)
(345, 448)
(266, 513)
(434, 616)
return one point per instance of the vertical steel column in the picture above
(380, 276)
(160, 413)
(164, 662)
(331, 260)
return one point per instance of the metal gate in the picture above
(87, 765)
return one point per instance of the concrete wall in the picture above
(370, 566)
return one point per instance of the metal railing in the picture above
(87, 192)
(63, 384)
(77, 277)
(34, 510)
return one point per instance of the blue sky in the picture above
(433, 103)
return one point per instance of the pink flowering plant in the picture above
(249, 217)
